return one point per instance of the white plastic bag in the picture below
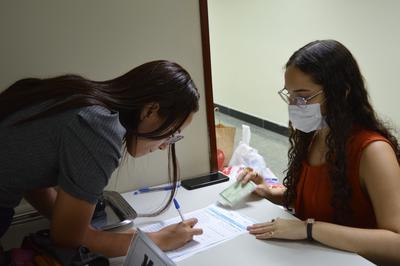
(246, 156)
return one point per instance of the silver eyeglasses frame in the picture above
(298, 100)
(173, 138)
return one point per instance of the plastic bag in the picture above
(246, 156)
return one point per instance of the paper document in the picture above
(218, 225)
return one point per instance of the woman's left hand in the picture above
(280, 228)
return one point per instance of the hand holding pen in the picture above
(176, 235)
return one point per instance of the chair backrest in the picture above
(143, 252)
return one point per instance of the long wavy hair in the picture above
(164, 82)
(332, 66)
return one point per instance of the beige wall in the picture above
(252, 40)
(102, 39)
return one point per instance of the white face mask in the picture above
(307, 118)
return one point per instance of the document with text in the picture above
(218, 225)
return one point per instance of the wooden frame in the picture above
(205, 40)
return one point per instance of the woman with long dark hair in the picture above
(68, 132)
(343, 176)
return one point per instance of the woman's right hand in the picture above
(175, 235)
(262, 189)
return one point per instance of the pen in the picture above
(177, 207)
(151, 189)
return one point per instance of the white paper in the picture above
(218, 225)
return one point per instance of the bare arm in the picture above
(379, 245)
(42, 200)
(70, 228)
(380, 173)
(168, 238)
(274, 195)
(100, 242)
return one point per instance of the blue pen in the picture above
(151, 189)
(177, 207)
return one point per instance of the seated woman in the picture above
(343, 177)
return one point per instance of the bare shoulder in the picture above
(378, 155)
(378, 161)
(380, 174)
(378, 152)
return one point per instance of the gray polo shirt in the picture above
(76, 150)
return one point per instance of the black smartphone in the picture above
(204, 180)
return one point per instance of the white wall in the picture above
(252, 40)
(102, 39)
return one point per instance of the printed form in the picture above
(218, 225)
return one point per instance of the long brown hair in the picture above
(331, 65)
(164, 82)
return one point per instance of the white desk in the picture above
(245, 249)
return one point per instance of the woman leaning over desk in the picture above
(343, 179)
(69, 132)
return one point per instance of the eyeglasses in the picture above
(173, 138)
(296, 100)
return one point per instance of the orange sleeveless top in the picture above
(314, 188)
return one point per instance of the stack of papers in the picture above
(218, 224)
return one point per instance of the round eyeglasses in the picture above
(173, 138)
(296, 100)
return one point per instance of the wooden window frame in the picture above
(205, 41)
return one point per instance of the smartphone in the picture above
(205, 180)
